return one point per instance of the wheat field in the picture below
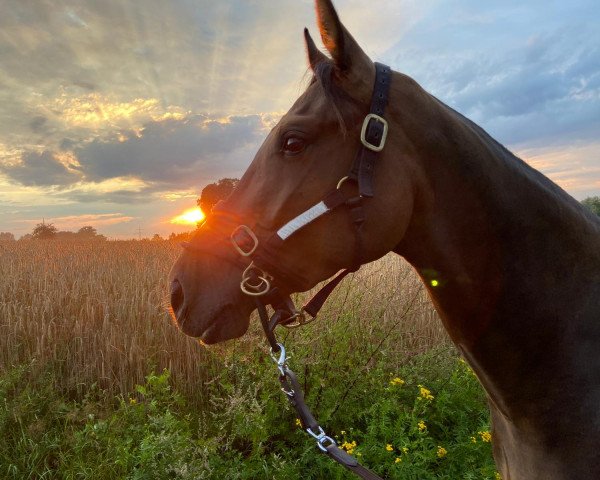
(97, 313)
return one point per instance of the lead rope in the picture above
(293, 392)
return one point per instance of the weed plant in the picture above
(95, 382)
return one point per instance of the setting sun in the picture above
(189, 217)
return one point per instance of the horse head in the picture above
(304, 157)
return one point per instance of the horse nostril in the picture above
(176, 295)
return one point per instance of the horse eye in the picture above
(293, 145)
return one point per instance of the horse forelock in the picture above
(343, 105)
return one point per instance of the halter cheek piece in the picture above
(262, 271)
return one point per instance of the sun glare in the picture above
(189, 217)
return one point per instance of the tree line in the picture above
(47, 231)
(210, 195)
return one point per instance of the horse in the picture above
(509, 259)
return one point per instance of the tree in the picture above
(87, 232)
(6, 237)
(44, 231)
(180, 237)
(593, 203)
(156, 238)
(214, 192)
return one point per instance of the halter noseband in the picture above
(263, 273)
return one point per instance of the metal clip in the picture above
(282, 358)
(321, 439)
(281, 363)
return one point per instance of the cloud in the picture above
(523, 80)
(176, 152)
(42, 169)
(98, 112)
(172, 153)
(75, 222)
(576, 168)
(37, 123)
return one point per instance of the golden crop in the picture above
(97, 312)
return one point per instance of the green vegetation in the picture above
(593, 203)
(95, 382)
(400, 430)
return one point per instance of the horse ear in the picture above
(315, 56)
(345, 51)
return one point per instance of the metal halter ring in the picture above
(298, 319)
(342, 181)
(258, 289)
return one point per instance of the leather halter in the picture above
(263, 272)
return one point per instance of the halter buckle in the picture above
(363, 132)
(241, 244)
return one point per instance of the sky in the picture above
(116, 114)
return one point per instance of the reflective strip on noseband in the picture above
(302, 220)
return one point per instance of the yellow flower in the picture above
(343, 432)
(396, 381)
(389, 447)
(425, 393)
(485, 436)
(298, 423)
(398, 460)
(348, 446)
(405, 449)
(441, 452)
(473, 439)
(498, 476)
(132, 401)
(422, 426)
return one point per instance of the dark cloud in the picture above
(37, 124)
(40, 169)
(85, 85)
(121, 197)
(66, 144)
(163, 155)
(176, 152)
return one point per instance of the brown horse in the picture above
(511, 262)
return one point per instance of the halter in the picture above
(263, 272)
(259, 258)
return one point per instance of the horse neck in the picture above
(505, 254)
